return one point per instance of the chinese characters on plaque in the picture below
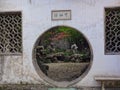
(61, 15)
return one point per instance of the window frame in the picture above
(105, 52)
(15, 53)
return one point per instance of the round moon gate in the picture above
(62, 56)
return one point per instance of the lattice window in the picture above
(10, 33)
(112, 30)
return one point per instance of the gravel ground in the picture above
(66, 71)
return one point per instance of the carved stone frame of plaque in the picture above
(61, 15)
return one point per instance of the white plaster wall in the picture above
(87, 16)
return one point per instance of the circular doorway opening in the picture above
(62, 54)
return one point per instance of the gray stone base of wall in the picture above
(43, 87)
(98, 88)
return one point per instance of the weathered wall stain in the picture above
(1, 66)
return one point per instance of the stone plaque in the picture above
(62, 89)
(61, 15)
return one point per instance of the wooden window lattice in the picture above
(112, 30)
(10, 33)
